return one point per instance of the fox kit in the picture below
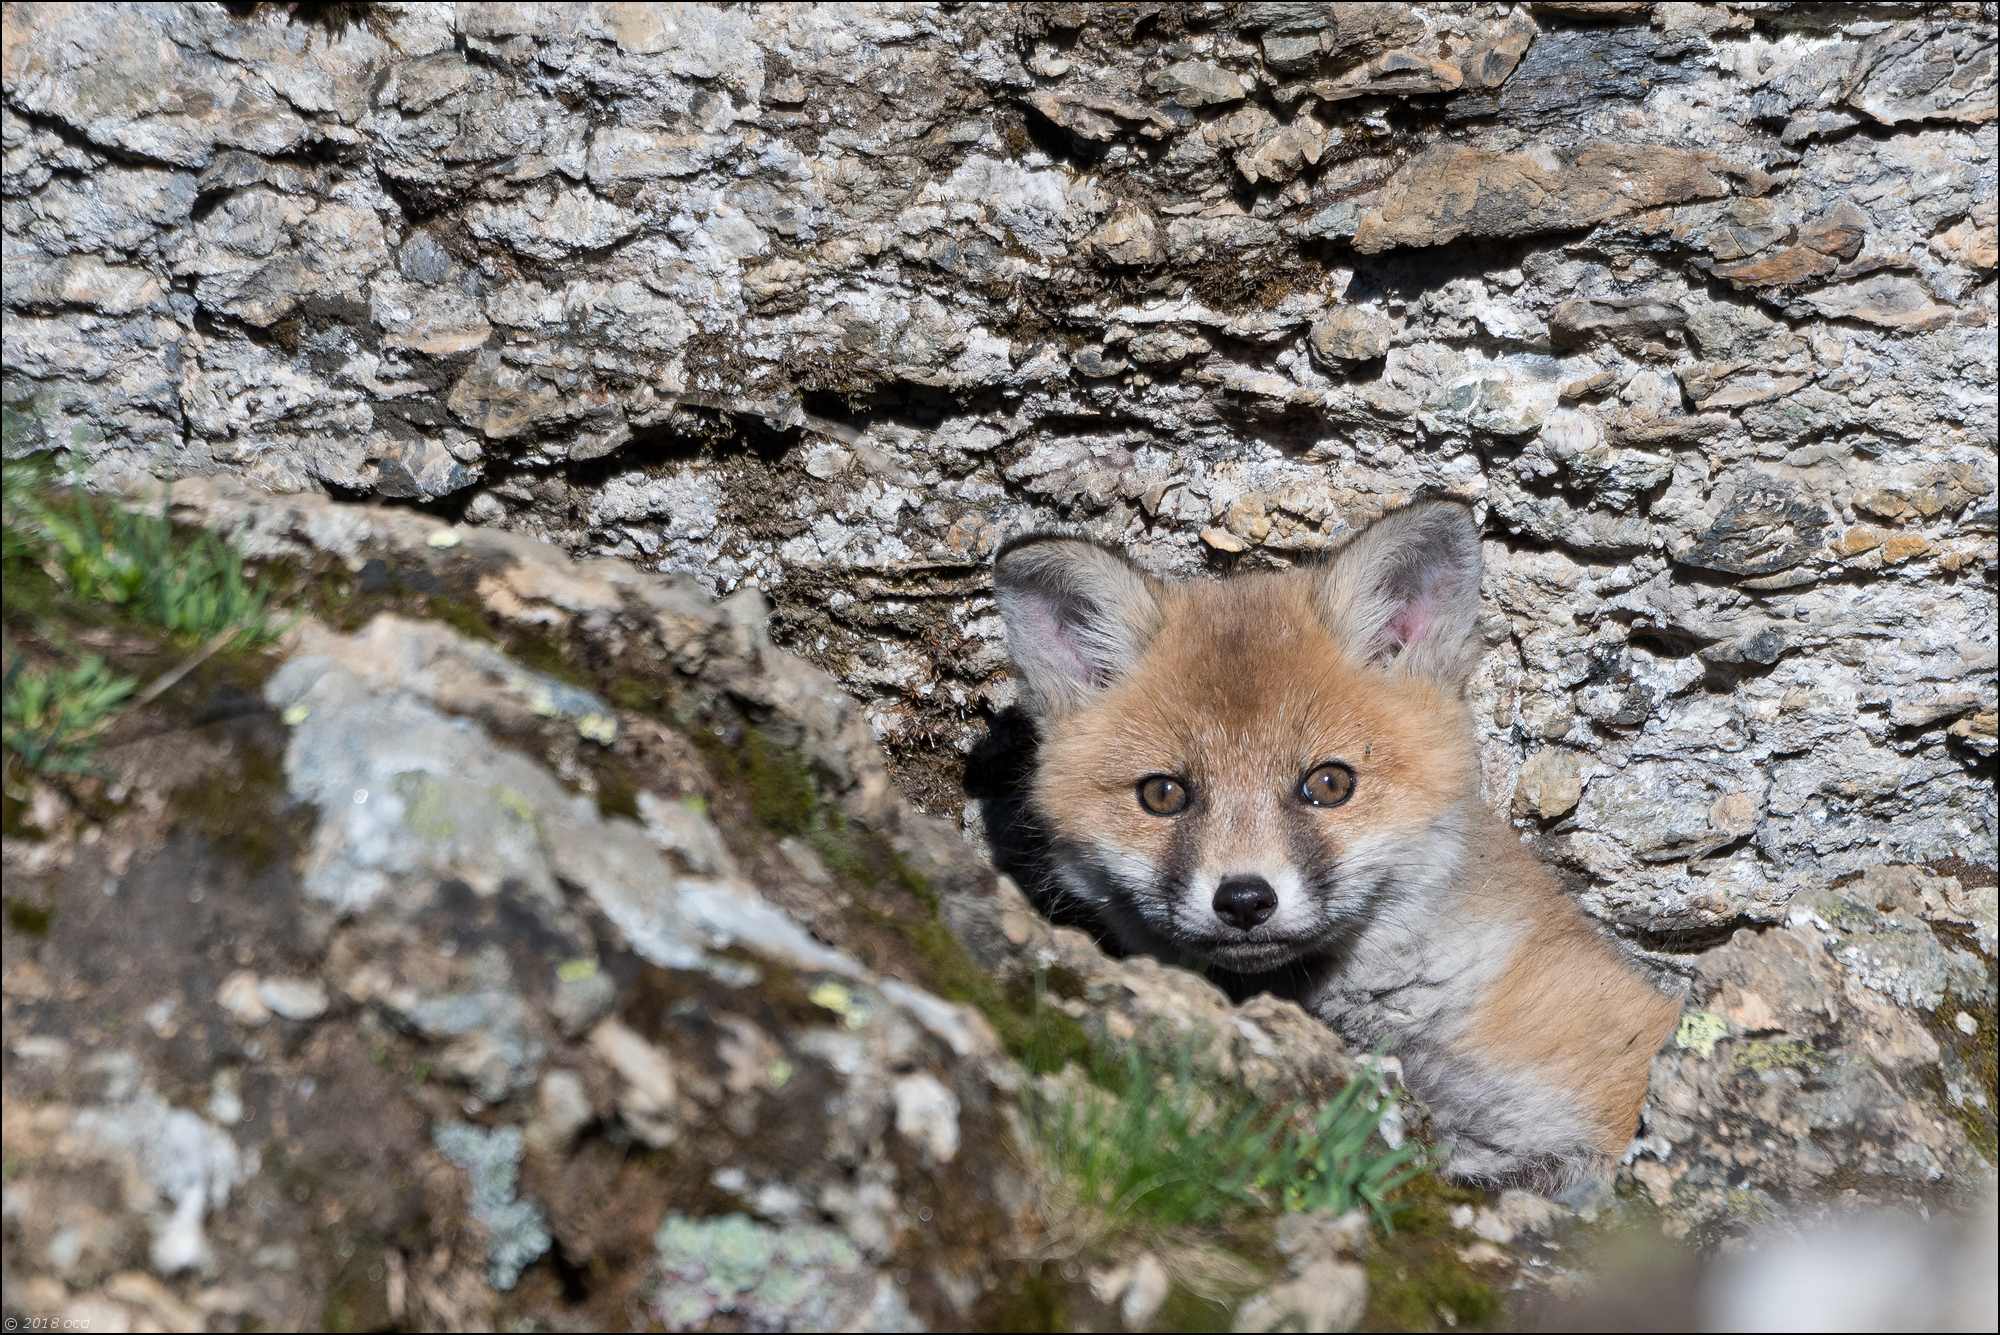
(1273, 778)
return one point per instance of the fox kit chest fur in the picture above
(1273, 778)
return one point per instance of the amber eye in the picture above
(1163, 795)
(1328, 786)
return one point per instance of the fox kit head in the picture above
(1236, 772)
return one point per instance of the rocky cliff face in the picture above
(1697, 303)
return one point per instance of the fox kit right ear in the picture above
(1405, 591)
(1077, 618)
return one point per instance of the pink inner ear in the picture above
(1059, 644)
(1411, 620)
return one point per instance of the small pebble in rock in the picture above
(1145, 1292)
(293, 998)
(238, 996)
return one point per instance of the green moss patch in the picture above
(1416, 1278)
(14, 822)
(896, 907)
(29, 919)
(1035, 1300)
(892, 922)
(1428, 1294)
(444, 589)
(1969, 1061)
(783, 797)
(247, 809)
(1186, 1310)
(1040, 1037)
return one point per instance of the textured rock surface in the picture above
(403, 984)
(390, 980)
(1697, 302)
(1828, 1054)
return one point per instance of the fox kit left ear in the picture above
(1405, 592)
(1077, 618)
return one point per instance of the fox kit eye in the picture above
(1327, 786)
(1163, 795)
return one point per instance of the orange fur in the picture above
(1566, 1004)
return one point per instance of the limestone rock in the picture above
(433, 902)
(1572, 69)
(1763, 526)
(1197, 83)
(1632, 322)
(1300, 37)
(1549, 785)
(1447, 193)
(1925, 72)
(1351, 334)
(1130, 237)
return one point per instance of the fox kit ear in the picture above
(1405, 592)
(1077, 618)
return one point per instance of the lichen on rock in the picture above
(516, 1231)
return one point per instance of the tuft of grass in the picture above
(73, 560)
(51, 718)
(1147, 1139)
(1164, 1144)
(103, 554)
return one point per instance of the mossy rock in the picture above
(1416, 1278)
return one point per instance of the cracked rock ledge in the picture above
(525, 939)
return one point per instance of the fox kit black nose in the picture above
(1245, 901)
